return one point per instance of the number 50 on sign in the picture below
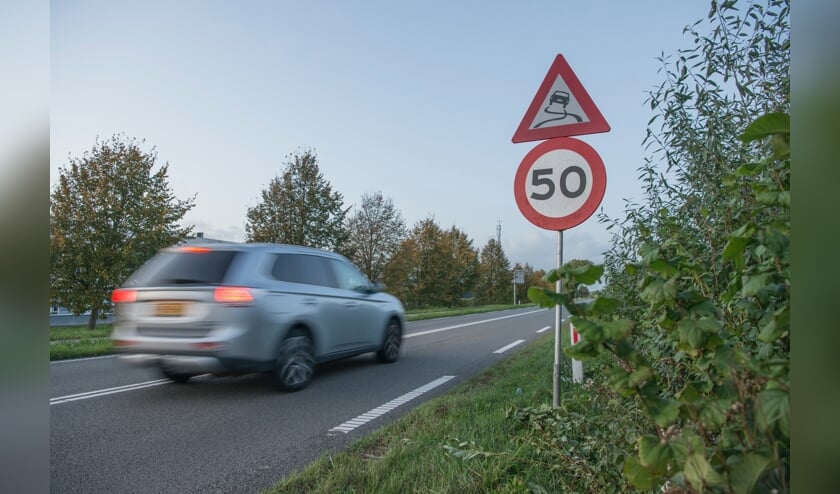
(560, 183)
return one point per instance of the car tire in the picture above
(390, 351)
(177, 377)
(295, 363)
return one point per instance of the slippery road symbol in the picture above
(557, 104)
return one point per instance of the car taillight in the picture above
(123, 295)
(233, 294)
(194, 250)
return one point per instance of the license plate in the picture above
(170, 309)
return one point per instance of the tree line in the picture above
(113, 208)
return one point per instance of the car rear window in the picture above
(306, 269)
(185, 268)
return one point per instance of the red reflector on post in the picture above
(233, 294)
(123, 295)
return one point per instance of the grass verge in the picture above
(68, 342)
(83, 347)
(495, 433)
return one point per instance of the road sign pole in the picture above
(558, 310)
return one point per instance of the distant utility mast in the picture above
(499, 232)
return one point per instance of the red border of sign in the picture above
(597, 123)
(599, 184)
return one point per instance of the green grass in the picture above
(63, 333)
(68, 342)
(83, 347)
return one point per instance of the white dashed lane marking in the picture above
(387, 407)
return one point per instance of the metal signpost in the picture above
(561, 182)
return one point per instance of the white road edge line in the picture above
(543, 330)
(508, 347)
(468, 324)
(109, 391)
(387, 407)
(67, 361)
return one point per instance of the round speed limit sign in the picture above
(560, 183)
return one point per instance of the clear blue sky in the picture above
(418, 100)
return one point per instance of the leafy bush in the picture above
(695, 315)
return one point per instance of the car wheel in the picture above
(178, 377)
(295, 363)
(390, 350)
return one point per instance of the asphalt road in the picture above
(119, 428)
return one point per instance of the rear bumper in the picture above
(197, 364)
(177, 363)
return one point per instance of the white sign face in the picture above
(559, 107)
(560, 183)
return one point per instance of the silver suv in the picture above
(229, 308)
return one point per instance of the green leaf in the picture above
(745, 471)
(636, 474)
(583, 350)
(734, 249)
(617, 329)
(700, 473)
(774, 198)
(546, 298)
(649, 253)
(662, 267)
(684, 445)
(773, 407)
(767, 125)
(664, 412)
(601, 306)
(752, 285)
(713, 414)
(659, 291)
(653, 454)
(750, 169)
(770, 332)
(639, 376)
(691, 333)
(588, 329)
(588, 274)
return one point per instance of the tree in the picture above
(109, 213)
(375, 231)
(532, 278)
(299, 208)
(432, 267)
(495, 278)
(462, 271)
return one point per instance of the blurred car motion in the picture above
(228, 309)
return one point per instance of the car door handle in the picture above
(310, 301)
(351, 305)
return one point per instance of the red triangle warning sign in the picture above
(561, 108)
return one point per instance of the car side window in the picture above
(301, 268)
(348, 277)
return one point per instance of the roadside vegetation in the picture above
(497, 432)
(68, 342)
